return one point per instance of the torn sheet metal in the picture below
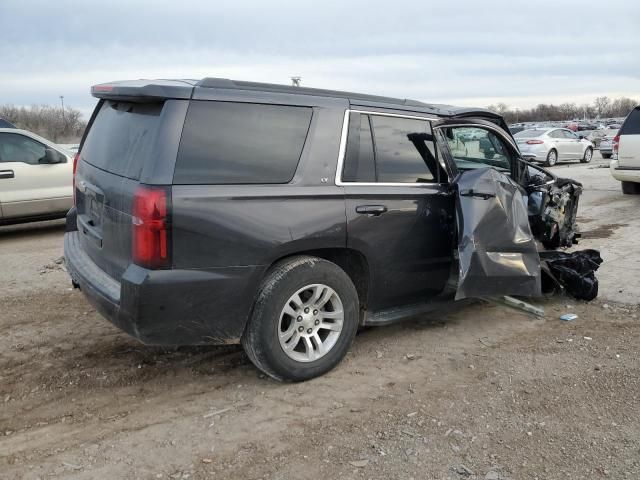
(553, 208)
(497, 251)
(571, 272)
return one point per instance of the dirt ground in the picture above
(480, 393)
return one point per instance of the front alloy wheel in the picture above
(588, 155)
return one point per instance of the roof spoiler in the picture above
(144, 90)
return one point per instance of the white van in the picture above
(625, 165)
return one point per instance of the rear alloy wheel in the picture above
(588, 155)
(310, 323)
(630, 188)
(304, 319)
(552, 158)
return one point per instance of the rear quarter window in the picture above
(122, 137)
(241, 143)
(631, 125)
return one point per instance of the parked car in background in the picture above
(70, 147)
(551, 145)
(516, 128)
(606, 142)
(35, 177)
(584, 126)
(596, 136)
(625, 165)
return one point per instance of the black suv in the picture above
(217, 211)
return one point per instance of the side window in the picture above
(631, 125)
(403, 147)
(236, 143)
(569, 135)
(474, 147)
(359, 163)
(18, 148)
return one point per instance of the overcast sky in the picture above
(472, 53)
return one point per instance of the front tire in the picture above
(630, 188)
(304, 320)
(588, 155)
(552, 158)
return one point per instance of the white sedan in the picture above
(551, 145)
(36, 177)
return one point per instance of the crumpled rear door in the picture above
(497, 251)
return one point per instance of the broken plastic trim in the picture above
(571, 272)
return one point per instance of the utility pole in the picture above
(62, 102)
(295, 81)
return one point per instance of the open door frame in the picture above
(497, 251)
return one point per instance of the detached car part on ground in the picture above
(283, 218)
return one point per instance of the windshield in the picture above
(529, 133)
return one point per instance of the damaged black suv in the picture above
(283, 218)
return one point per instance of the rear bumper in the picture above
(168, 307)
(630, 174)
(606, 148)
(534, 153)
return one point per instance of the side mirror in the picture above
(52, 156)
(581, 137)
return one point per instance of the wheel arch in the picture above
(352, 261)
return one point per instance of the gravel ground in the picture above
(480, 393)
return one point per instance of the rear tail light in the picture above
(615, 143)
(534, 142)
(151, 227)
(75, 167)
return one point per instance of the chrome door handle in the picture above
(6, 174)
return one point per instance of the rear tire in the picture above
(606, 155)
(630, 188)
(588, 155)
(552, 158)
(289, 314)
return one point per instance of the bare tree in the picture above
(602, 106)
(50, 122)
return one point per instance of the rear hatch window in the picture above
(121, 137)
(631, 125)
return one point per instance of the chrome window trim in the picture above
(430, 119)
(343, 148)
